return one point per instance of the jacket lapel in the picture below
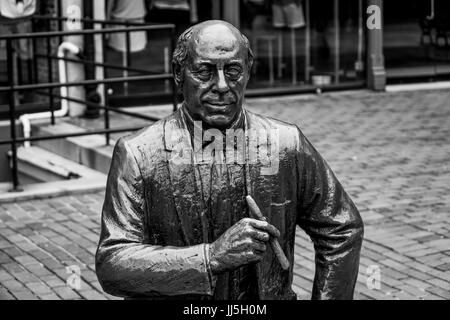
(252, 173)
(182, 178)
(261, 182)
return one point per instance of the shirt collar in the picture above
(239, 123)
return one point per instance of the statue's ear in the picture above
(250, 66)
(178, 77)
(176, 70)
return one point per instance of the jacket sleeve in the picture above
(126, 264)
(330, 218)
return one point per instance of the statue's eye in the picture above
(204, 73)
(234, 72)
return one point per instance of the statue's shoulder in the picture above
(288, 132)
(259, 120)
(152, 136)
(290, 135)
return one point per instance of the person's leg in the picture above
(24, 50)
(3, 69)
(138, 39)
(4, 29)
(293, 13)
(24, 46)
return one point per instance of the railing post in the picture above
(50, 75)
(12, 117)
(127, 59)
(89, 69)
(174, 86)
(105, 93)
(33, 41)
(307, 42)
(376, 72)
(337, 57)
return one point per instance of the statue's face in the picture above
(216, 76)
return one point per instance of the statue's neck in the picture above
(238, 123)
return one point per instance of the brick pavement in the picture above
(390, 151)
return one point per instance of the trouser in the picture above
(288, 13)
(118, 40)
(171, 4)
(23, 47)
(286, 2)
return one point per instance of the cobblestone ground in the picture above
(390, 151)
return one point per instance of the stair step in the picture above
(38, 165)
(89, 151)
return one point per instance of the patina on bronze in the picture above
(175, 229)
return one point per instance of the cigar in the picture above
(256, 213)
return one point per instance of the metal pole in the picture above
(280, 54)
(35, 68)
(12, 117)
(307, 43)
(166, 69)
(88, 82)
(127, 60)
(99, 64)
(376, 72)
(89, 69)
(19, 69)
(359, 62)
(271, 68)
(216, 10)
(50, 76)
(337, 61)
(60, 21)
(84, 32)
(105, 94)
(77, 134)
(174, 86)
(231, 12)
(294, 56)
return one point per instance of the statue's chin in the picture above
(219, 121)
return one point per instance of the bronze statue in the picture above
(175, 221)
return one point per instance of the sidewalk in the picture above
(390, 151)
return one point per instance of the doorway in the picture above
(417, 40)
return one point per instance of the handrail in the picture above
(95, 21)
(97, 64)
(100, 106)
(47, 34)
(13, 88)
(27, 118)
(73, 134)
(164, 76)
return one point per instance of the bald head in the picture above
(219, 36)
(214, 36)
(211, 67)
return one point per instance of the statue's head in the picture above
(211, 66)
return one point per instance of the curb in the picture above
(52, 189)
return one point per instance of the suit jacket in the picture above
(151, 243)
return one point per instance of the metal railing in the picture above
(47, 88)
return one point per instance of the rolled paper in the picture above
(256, 213)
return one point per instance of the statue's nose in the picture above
(221, 84)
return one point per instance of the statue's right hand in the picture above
(243, 243)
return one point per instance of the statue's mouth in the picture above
(222, 107)
(219, 104)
